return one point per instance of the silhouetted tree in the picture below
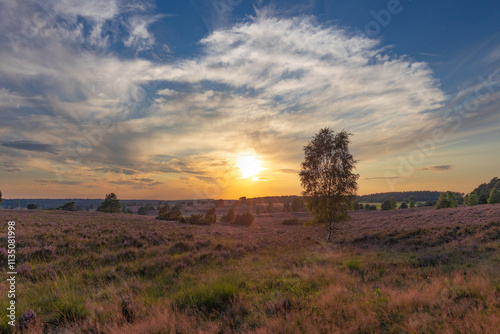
(210, 216)
(229, 217)
(327, 177)
(70, 206)
(243, 219)
(111, 204)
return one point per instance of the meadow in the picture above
(417, 270)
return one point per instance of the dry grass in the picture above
(406, 271)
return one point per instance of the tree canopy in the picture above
(327, 177)
(111, 204)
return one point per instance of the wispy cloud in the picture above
(438, 168)
(30, 146)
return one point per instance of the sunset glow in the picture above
(249, 166)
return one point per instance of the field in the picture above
(404, 271)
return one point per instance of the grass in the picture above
(409, 271)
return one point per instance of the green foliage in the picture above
(327, 177)
(403, 206)
(229, 217)
(353, 264)
(111, 204)
(208, 297)
(447, 200)
(167, 214)
(32, 206)
(473, 199)
(390, 204)
(245, 219)
(494, 196)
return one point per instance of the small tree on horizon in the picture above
(111, 204)
(328, 179)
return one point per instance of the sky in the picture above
(216, 99)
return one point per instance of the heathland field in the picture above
(404, 271)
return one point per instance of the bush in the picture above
(143, 211)
(371, 207)
(193, 220)
(245, 219)
(403, 206)
(167, 214)
(291, 221)
(390, 204)
(32, 206)
(229, 217)
(68, 207)
(446, 200)
(211, 216)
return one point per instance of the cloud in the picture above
(9, 167)
(438, 168)
(57, 182)
(30, 146)
(266, 84)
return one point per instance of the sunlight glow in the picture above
(249, 166)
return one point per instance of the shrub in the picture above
(32, 206)
(412, 204)
(211, 216)
(166, 214)
(291, 221)
(229, 217)
(446, 200)
(143, 211)
(371, 207)
(245, 219)
(193, 220)
(403, 206)
(70, 206)
(390, 204)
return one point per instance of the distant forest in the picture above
(400, 196)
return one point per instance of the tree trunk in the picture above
(329, 238)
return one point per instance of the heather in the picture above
(398, 271)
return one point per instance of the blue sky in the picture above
(165, 99)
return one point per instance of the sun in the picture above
(249, 166)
